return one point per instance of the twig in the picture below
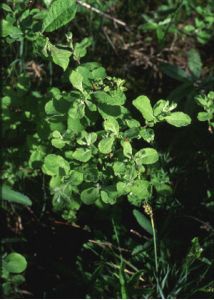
(88, 6)
(85, 228)
(206, 225)
(139, 235)
(109, 40)
(107, 244)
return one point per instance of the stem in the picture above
(121, 271)
(170, 23)
(159, 289)
(155, 242)
(50, 72)
(21, 52)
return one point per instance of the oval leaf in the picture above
(90, 195)
(59, 14)
(146, 156)
(105, 145)
(53, 162)
(15, 263)
(76, 79)
(178, 119)
(143, 221)
(127, 148)
(112, 125)
(60, 57)
(82, 154)
(142, 103)
(140, 189)
(194, 63)
(174, 72)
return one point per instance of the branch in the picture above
(107, 244)
(99, 12)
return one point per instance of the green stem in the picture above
(121, 271)
(21, 53)
(51, 73)
(155, 243)
(170, 23)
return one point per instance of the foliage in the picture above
(207, 103)
(138, 270)
(166, 20)
(84, 148)
(99, 164)
(191, 79)
(13, 265)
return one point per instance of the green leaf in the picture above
(9, 29)
(87, 138)
(159, 107)
(143, 221)
(203, 116)
(58, 143)
(132, 123)
(127, 148)
(98, 73)
(132, 133)
(76, 79)
(60, 57)
(55, 182)
(147, 134)
(112, 125)
(57, 125)
(18, 279)
(50, 108)
(194, 62)
(15, 263)
(57, 140)
(146, 156)
(142, 103)
(178, 119)
(163, 188)
(82, 154)
(91, 174)
(36, 157)
(53, 163)
(13, 196)
(109, 194)
(59, 14)
(91, 138)
(119, 168)
(105, 145)
(77, 111)
(118, 97)
(107, 110)
(114, 98)
(90, 195)
(174, 72)
(140, 189)
(122, 188)
(48, 2)
(56, 134)
(90, 72)
(74, 125)
(6, 7)
(76, 177)
(80, 48)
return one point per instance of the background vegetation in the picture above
(107, 149)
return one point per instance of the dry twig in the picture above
(105, 15)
